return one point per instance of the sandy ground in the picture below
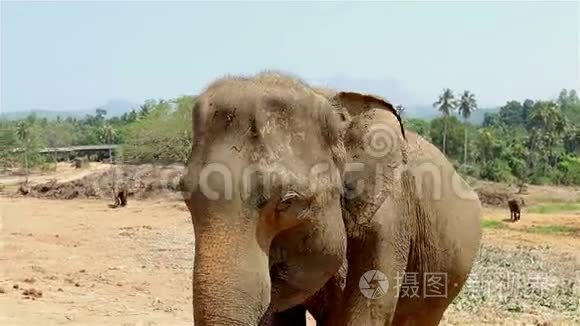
(95, 265)
(129, 266)
(507, 236)
(64, 173)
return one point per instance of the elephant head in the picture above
(266, 190)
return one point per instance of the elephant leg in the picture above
(430, 314)
(375, 252)
(295, 316)
(326, 303)
(428, 310)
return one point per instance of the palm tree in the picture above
(548, 127)
(145, 108)
(467, 104)
(400, 109)
(23, 133)
(107, 134)
(446, 105)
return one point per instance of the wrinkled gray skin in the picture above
(303, 239)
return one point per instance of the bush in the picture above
(569, 170)
(497, 170)
(164, 135)
(47, 166)
(470, 170)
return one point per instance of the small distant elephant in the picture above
(307, 199)
(120, 196)
(514, 207)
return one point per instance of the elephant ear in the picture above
(376, 149)
(357, 103)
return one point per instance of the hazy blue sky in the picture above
(78, 55)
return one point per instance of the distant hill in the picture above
(388, 88)
(117, 108)
(40, 114)
(114, 108)
(478, 115)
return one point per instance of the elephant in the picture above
(514, 207)
(305, 198)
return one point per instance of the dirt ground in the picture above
(132, 266)
(95, 265)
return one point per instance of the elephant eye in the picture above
(287, 200)
(294, 204)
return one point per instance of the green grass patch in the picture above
(552, 229)
(554, 208)
(492, 224)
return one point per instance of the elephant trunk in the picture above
(231, 282)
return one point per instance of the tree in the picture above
(490, 120)
(467, 104)
(163, 135)
(527, 108)
(563, 97)
(454, 138)
(511, 114)
(101, 113)
(146, 107)
(107, 134)
(568, 98)
(446, 105)
(400, 109)
(419, 126)
(58, 134)
(573, 97)
(23, 131)
(548, 128)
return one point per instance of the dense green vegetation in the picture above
(530, 142)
